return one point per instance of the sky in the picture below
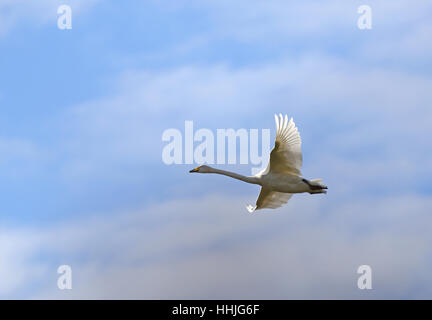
(83, 111)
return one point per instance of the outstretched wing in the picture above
(270, 199)
(286, 156)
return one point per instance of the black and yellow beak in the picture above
(194, 170)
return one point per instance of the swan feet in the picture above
(250, 208)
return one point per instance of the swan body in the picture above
(282, 177)
(283, 182)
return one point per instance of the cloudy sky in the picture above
(82, 113)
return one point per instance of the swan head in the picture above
(201, 169)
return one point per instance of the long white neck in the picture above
(234, 175)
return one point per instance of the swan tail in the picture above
(316, 186)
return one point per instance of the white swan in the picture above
(282, 177)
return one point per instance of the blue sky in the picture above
(82, 113)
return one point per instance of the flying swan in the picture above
(282, 177)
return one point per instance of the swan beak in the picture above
(194, 170)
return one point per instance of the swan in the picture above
(282, 177)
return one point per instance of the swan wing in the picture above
(286, 156)
(270, 199)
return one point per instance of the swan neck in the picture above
(234, 175)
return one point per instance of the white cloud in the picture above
(366, 118)
(212, 248)
(16, 270)
(255, 20)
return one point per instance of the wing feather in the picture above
(286, 156)
(270, 199)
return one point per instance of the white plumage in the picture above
(282, 177)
